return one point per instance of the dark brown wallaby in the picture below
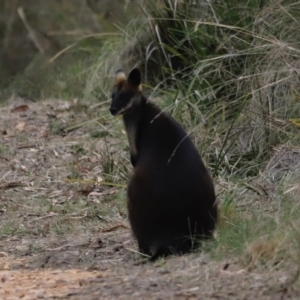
(170, 198)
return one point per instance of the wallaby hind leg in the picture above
(169, 247)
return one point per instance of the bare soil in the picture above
(64, 233)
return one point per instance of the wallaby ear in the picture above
(135, 77)
(119, 77)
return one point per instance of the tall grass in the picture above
(233, 64)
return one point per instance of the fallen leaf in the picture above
(21, 126)
(20, 108)
(97, 194)
(55, 153)
(115, 227)
(63, 107)
(241, 271)
(74, 101)
(83, 192)
(111, 192)
(11, 184)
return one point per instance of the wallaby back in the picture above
(171, 200)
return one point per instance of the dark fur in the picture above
(171, 198)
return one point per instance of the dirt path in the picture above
(64, 239)
(121, 275)
(191, 277)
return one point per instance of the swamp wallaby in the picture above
(170, 198)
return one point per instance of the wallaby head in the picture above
(126, 92)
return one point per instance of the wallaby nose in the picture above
(113, 111)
